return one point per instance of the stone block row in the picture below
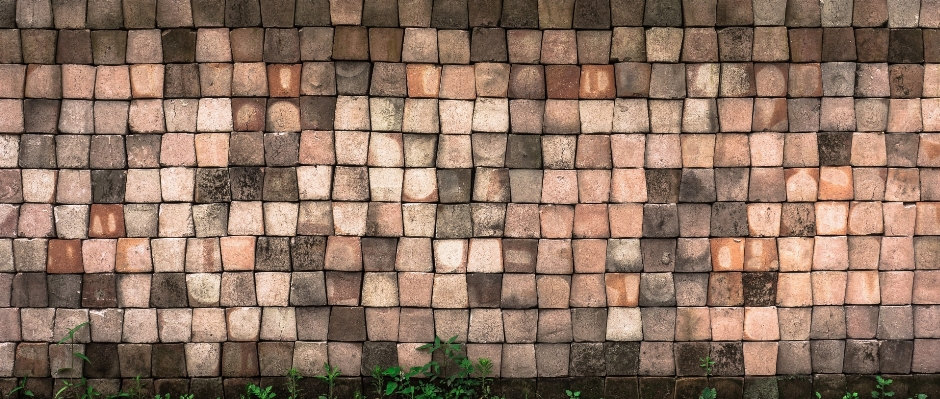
(461, 290)
(463, 14)
(486, 255)
(480, 45)
(613, 386)
(386, 82)
(478, 325)
(527, 357)
(824, 219)
(484, 115)
(189, 161)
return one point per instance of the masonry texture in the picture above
(577, 189)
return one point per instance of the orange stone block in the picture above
(238, 252)
(763, 219)
(802, 184)
(928, 218)
(760, 324)
(626, 220)
(727, 254)
(760, 358)
(106, 221)
(829, 288)
(590, 256)
(727, 323)
(899, 218)
(760, 255)
(831, 218)
(794, 290)
(64, 256)
(693, 324)
(863, 288)
(557, 221)
(424, 80)
(831, 253)
(835, 183)
(628, 185)
(212, 149)
(865, 218)
(623, 289)
(591, 221)
(598, 82)
(133, 256)
(795, 253)
(284, 80)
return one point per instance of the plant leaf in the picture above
(81, 356)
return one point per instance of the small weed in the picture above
(21, 389)
(707, 364)
(253, 391)
(471, 380)
(881, 384)
(708, 393)
(378, 381)
(330, 378)
(182, 396)
(136, 390)
(400, 383)
(81, 388)
(484, 368)
(293, 384)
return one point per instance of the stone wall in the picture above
(575, 188)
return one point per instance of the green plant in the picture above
(708, 393)
(400, 383)
(136, 390)
(293, 383)
(484, 368)
(468, 380)
(21, 389)
(707, 364)
(82, 388)
(182, 396)
(573, 395)
(255, 391)
(881, 384)
(921, 396)
(460, 384)
(332, 373)
(378, 381)
(850, 395)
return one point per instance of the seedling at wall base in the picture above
(293, 384)
(21, 388)
(471, 380)
(82, 388)
(253, 391)
(330, 378)
(881, 384)
(706, 364)
(708, 393)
